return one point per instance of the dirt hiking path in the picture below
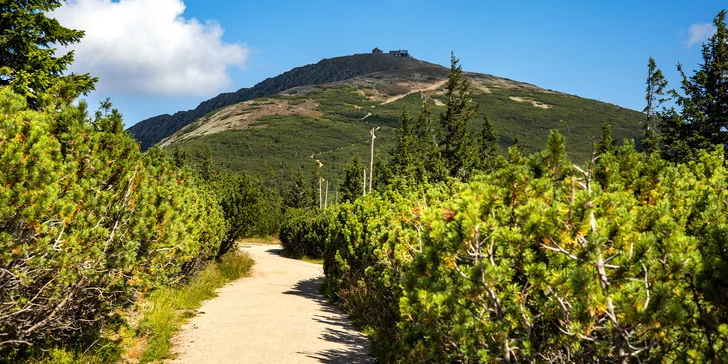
(275, 316)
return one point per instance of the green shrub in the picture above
(304, 233)
(542, 260)
(87, 223)
(249, 208)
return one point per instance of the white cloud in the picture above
(147, 47)
(700, 32)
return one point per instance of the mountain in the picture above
(324, 112)
(153, 130)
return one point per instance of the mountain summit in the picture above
(153, 130)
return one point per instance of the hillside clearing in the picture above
(533, 102)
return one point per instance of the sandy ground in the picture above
(432, 87)
(275, 316)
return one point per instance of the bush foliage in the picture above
(88, 223)
(303, 232)
(542, 260)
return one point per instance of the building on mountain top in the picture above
(377, 50)
(402, 53)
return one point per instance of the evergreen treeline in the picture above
(463, 255)
(699, 117)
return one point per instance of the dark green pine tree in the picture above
(298, 192)
(458, 146)
(383, 176)
(28, 63)
(353, 185)
(429, 165)
(403, 159)
(655, 96)
(554, 156)
(701, 120)
(206, 167)
(606, 143)
(488, 143)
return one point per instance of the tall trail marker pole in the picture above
(326, 199)
(321, 179)
(371, 160)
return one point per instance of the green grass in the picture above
(73, 356)
(272, 240)
(312, 260)
(100, 352)
(168, 308)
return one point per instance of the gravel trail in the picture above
(276, 315)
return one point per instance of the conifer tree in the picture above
(427, 155)
(384, 176)
(351, 189)
(702, 118)
(458, 146)
(489, 145)
(206, 167)
(655, 96)
(27, 58)
(606, 143)
(298, 193)
(403, 153)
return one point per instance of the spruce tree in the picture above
(206, 168)
(403, 154)
(352, 188)
(383, 177)
(458, 147)
(606, 143)
(655, 96)
(298, 193)
(28, 63)
(701, 120)
(489, 145)
(427, 156)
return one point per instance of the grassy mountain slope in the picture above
(153, 130)
(271, 136)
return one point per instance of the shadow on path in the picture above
(343, 332)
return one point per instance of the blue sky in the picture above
(162, 56)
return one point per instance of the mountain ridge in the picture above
(272, 137)
(153, 130)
